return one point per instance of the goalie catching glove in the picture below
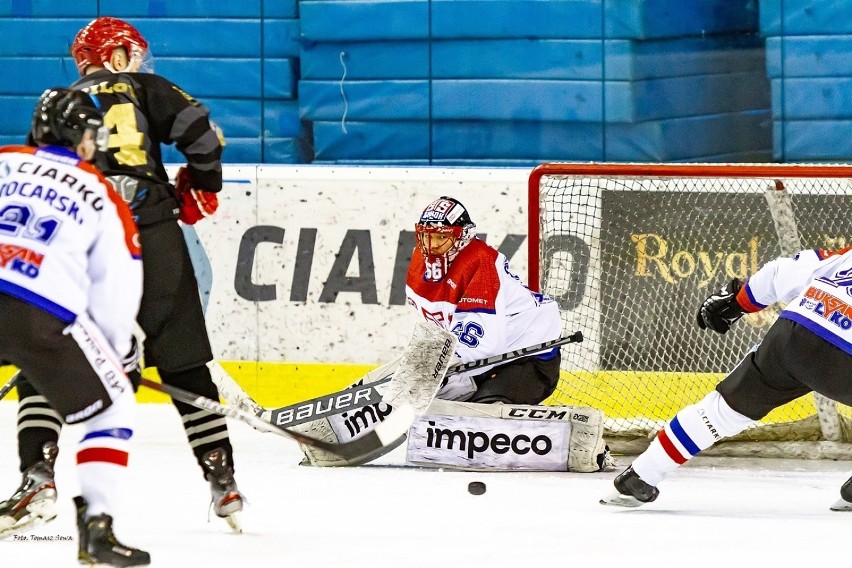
(195, 204)
(721, 309)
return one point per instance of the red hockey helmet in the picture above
(444, 229)
(95, 43)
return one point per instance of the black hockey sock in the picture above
(204, 430)
(38, 424)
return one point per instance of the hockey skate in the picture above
(227, 499)
(34, 502)
(630, 491)
(98, 544)
(845, 501)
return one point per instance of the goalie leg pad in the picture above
(584, 448)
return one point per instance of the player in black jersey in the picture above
(143, 111)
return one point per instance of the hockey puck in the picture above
(476, 488)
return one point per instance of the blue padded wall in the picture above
(530, 76)
(476, 81)
(809, 62)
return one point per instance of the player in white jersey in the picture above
(70, 286)
(809, 348)
(464, 285)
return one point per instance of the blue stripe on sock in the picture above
(683, 438)
(120, 433)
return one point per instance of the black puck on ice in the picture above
(476, 488)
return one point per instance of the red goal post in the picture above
(630, 250)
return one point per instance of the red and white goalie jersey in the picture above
(485, 305)
(68, 242)
(817, 286)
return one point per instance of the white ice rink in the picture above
(715, 512)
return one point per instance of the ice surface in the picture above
(715, 512)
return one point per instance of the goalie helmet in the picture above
(95, 43)
(444, 229)
(62, 116)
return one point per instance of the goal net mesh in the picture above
(630, 257)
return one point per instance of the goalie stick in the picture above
(386, 434)
(364, 395)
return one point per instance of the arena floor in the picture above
(713, 512)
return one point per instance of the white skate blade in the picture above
(841, 505)
(233, 521)
(39, 513)
(616, 499)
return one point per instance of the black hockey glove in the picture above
(132, 364)
(721, 309)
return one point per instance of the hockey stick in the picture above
(364, 395)
(10, 384)
(386, 434)
(576, 337)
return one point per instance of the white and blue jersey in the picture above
(68, 243)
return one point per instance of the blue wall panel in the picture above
(49, 8)
(805, 17)
(286, 151)
(281, 38)
(281, 120)
(17, 114)
(238, 118)
(220, 78)
(561, 19)
(51, 72)
(531, 58)
(812, 140)
(688, 138)
(280, 9)
(809, 56)
(376, 140)
(635, 60)
(200, 38)
(812, 98)
(516, 140)
(180, 8)
(364, 100)
(518, 100)
(39, 37)
(331, 20)
(667, 18)
(280, 77)
(365, 60)
(685, 96)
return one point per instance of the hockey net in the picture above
(630, 251)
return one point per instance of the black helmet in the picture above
(61, 117)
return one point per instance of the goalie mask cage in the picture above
(629, 251)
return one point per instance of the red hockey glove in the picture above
(195, 204)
